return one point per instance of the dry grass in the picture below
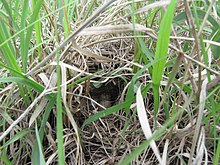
(98, 65)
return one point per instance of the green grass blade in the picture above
(39, 153)
(217, 154)
(9, 58)
(8, 19)
(65, 20)
(61, 159)
(25, 41)
(59, 118)
(38, 33)
(24, 45)
(161, 51)
(108, 111)
(35, 153)
(127, 160)
(21, 79)
(18, 136)
(7, 53)
(5, 159)
(46, 116)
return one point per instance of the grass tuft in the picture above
(114, 82)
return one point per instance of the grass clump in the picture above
(114, 82)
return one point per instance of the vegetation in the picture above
(109, 82)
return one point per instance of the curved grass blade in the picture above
(142, 116)
(107, 112)
(21, 79)
(18, 136)
(24, 81)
